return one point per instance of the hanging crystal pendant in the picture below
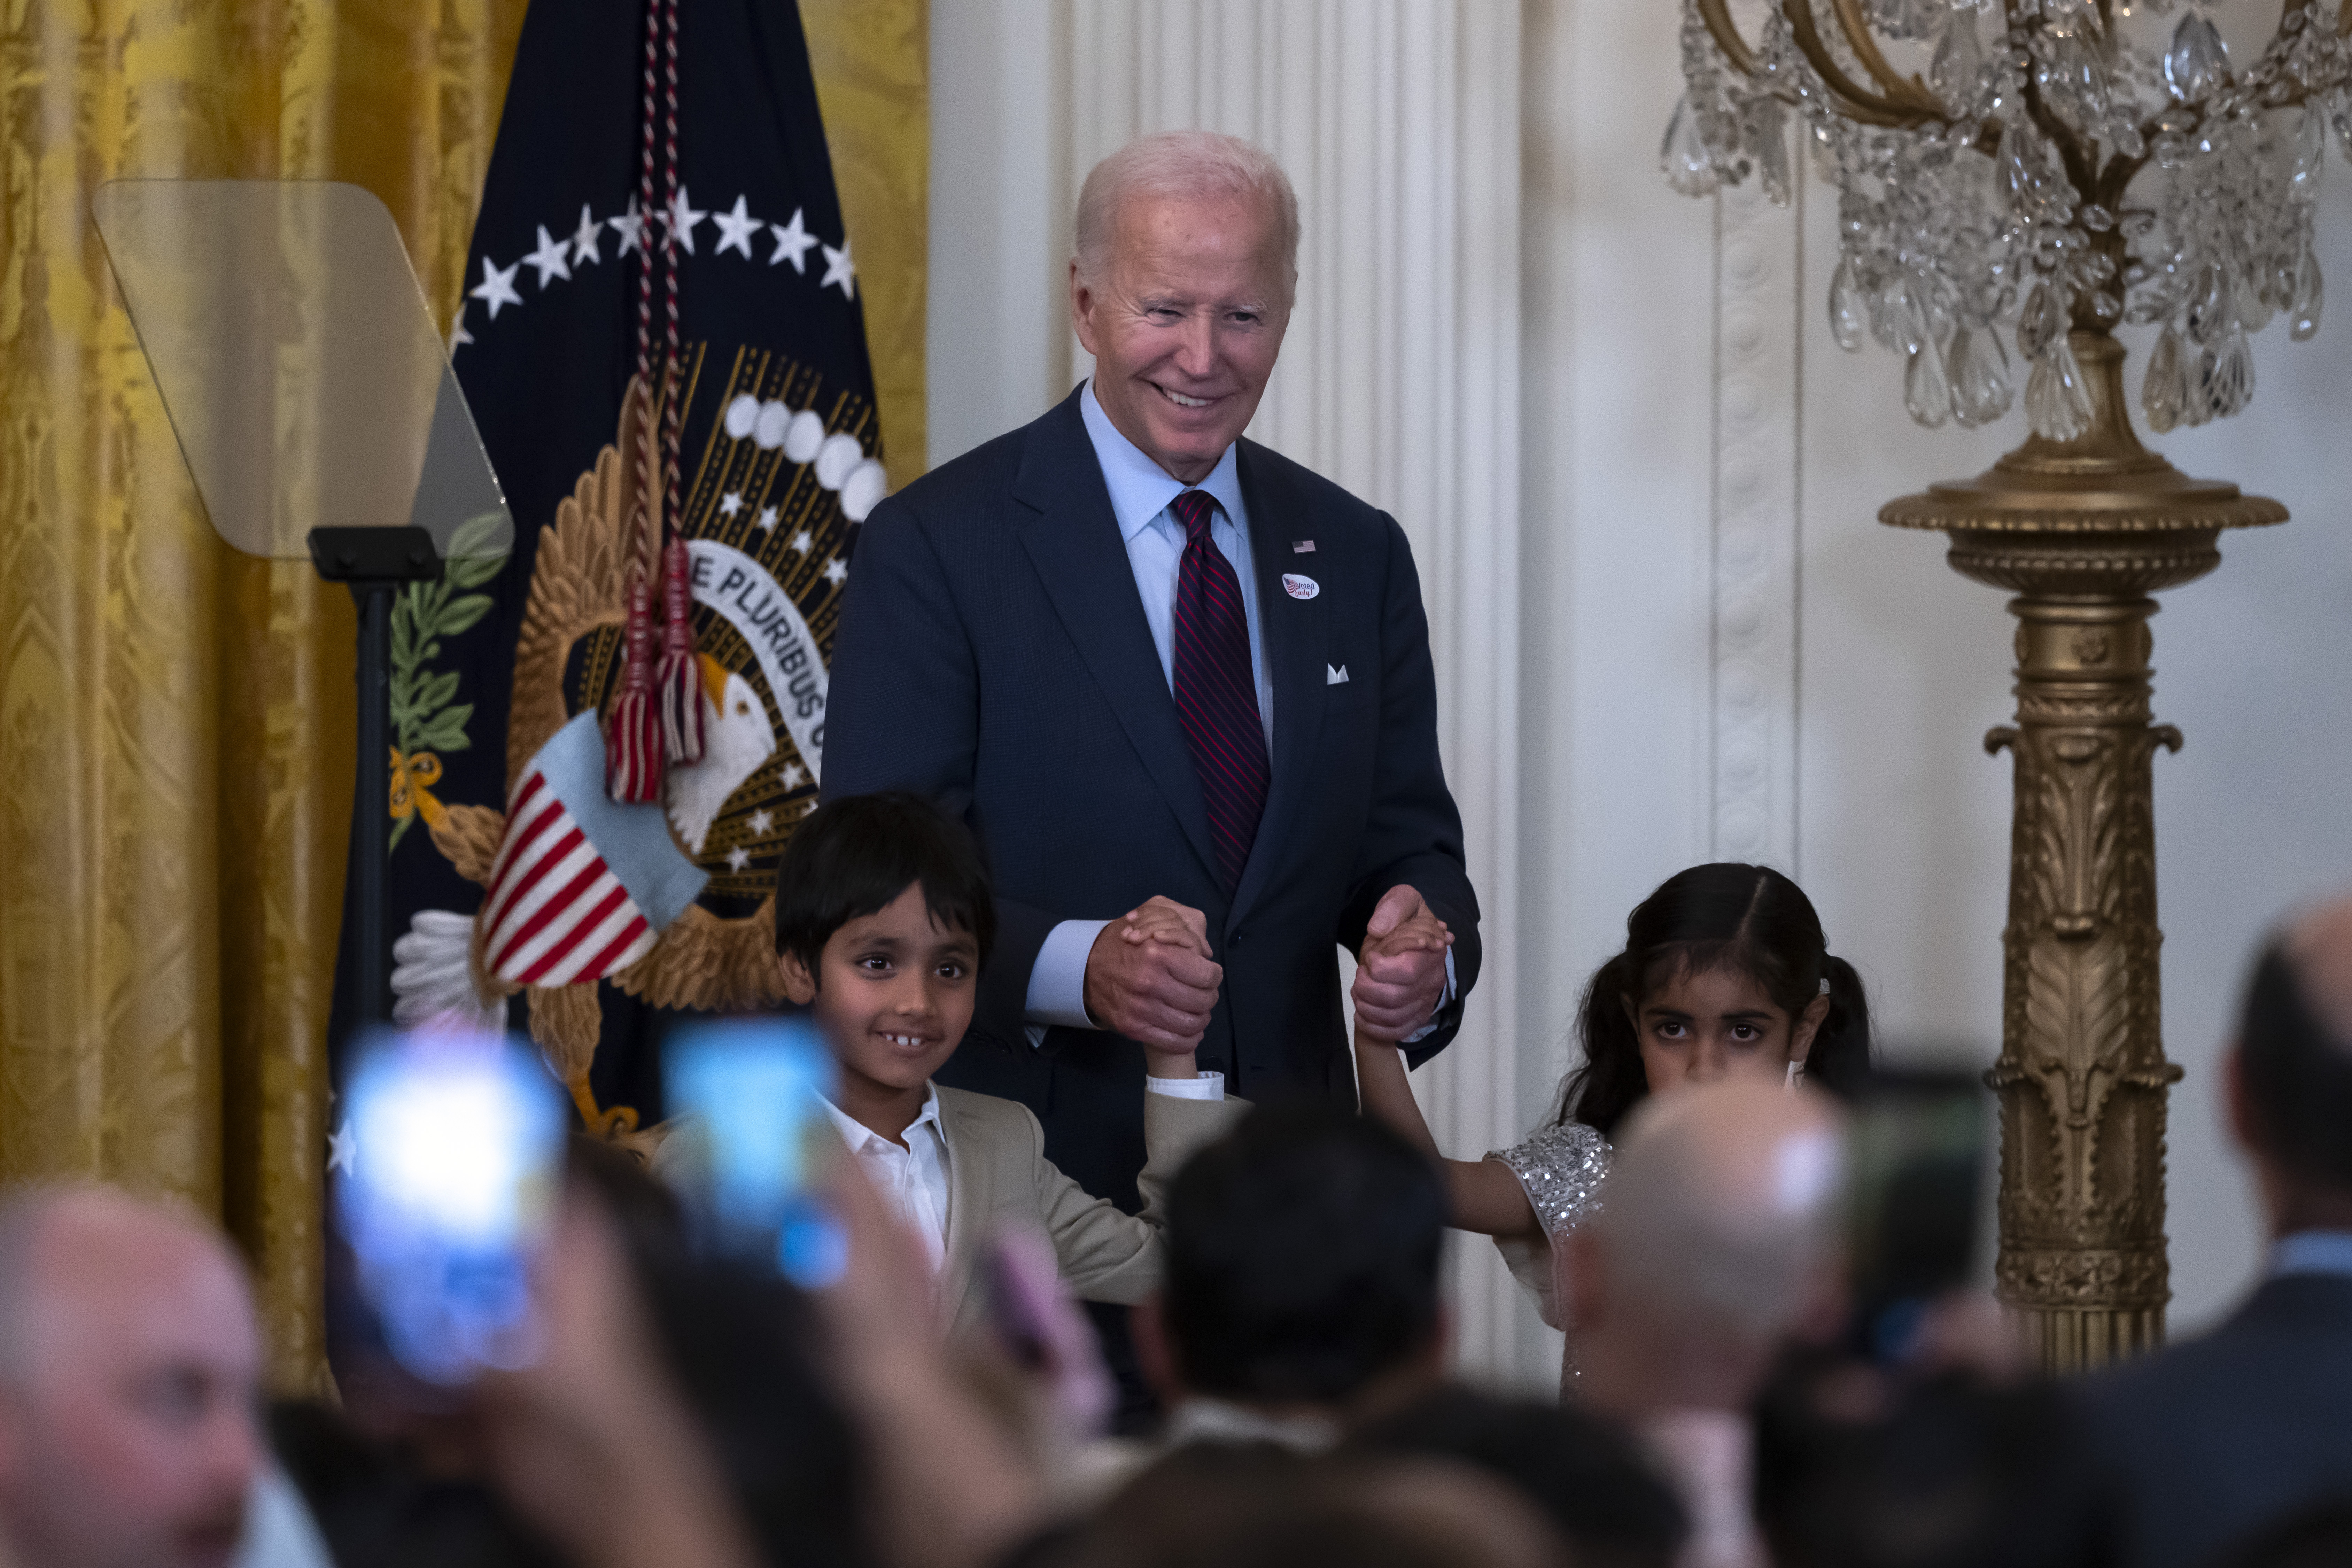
(2209, 308)
(1980, 373)
(2254, 308)
(1846, 325)
(2198, 407)
(2042, 322)
(2310, 149)
(2057, 403)
(1770, 150)
(1926, 391)
(1683, 156)
(2198, 60)
(2229, 384)
(1959, 56)
(2017, 161)
(2303, 307)
(2164, 395)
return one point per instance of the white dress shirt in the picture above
(915, 1178)
(912, 1177)
(1141, 491)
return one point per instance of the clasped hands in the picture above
(1151, 976)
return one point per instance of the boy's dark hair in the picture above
(2297, 1078)
(853, 855)
(1302, 1257)
(1726, 916)
(1581, 1471)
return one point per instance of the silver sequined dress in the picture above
(1562, 1168)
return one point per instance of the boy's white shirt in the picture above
(915, 1178)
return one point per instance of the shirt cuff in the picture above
(1057, 981)
(1208, 1086)
(1443, 1002)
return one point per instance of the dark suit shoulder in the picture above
(986, 470)
(1264, 467)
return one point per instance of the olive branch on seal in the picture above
(426, 717)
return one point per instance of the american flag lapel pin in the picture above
(1302, 547)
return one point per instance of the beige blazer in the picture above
(999, 1177)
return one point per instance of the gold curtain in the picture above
(175, 721)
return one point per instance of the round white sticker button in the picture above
(1299, 587)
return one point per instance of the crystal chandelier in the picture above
(2046, 167)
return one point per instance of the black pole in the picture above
(374, 561)
(371, 829)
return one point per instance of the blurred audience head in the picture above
(1581, 1472)
(1725, 973)
(1258, 1506)
(1855, 1471)
(2290, 1081)
(1715, 1239)
(130, 1374)
(1302, 1266)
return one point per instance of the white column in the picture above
(1398, 121)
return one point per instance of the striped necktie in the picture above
(1216, 695)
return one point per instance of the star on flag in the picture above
(838, 269)
(677, 223)
(554, 258)
(736, 229)
(585, 238)
(836, 572)
(767, 520)
(762, 821)
(497, 288)
(737, 859)
(794, 775)
(801, 541)
(631, 226)
(729, 504)
(792, 243)
(459, 335)
(342, 1150)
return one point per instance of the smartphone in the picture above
(1917, 1142)
(455, 1170)
(752, 1130)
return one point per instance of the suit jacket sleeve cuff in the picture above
(1057, 981)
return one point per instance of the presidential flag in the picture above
(601, 747)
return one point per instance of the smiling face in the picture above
(893, 995)
(1717, 1025)
(1185, 323)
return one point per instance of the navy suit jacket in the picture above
(993, 655)
(2220, 1438)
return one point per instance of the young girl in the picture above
(1725, 974)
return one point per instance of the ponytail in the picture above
(1840, 1058)
(1610, 1082)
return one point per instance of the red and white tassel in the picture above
(632, 740)
(678, 679)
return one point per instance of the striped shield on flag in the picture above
(581, 886)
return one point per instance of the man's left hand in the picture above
(1401, 971)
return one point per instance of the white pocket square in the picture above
(1335, 674)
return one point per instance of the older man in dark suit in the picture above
(2221, 1437)
(1180, 685)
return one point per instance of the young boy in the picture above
(884, 917)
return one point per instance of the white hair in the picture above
(1185, 164)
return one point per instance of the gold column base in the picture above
(2082, 531)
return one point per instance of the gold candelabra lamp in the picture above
(2042, 172)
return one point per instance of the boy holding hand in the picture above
(884, 917)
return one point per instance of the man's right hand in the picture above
(1149, 977)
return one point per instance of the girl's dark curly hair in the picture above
(1747, 919)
